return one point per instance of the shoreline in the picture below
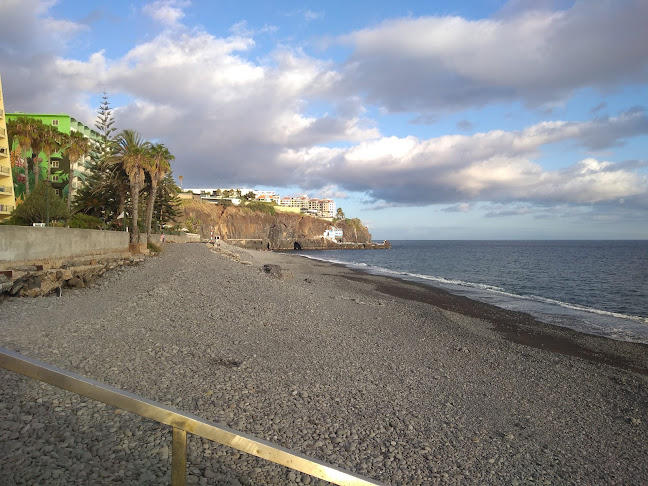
(386, 378)
(515, 326)
(519, 327)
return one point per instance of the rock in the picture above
(75, 282)
(275, 271)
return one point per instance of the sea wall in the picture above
(32, 244)
(26, 243)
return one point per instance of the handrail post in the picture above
(179, 458)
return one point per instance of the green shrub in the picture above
(262, 207)
(41, 204)
(86, 221)
(153, 248)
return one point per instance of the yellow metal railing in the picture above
(182, 422)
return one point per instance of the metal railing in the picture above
(182, 422)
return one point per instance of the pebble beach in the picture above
(404, 384)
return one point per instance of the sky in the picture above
(482, 119)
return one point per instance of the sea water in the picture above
(596, 287)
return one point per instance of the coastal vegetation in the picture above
(127, 181)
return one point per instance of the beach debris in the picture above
(228, 362)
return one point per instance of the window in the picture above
(55, 123)
(54, 177)
(55, 164)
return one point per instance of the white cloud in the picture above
(168, 13)
(491, 166)
(538, 56)
(230, 116)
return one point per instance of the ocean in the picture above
(596, 287)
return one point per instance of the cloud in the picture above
(537, 56)
(331, 192)
(236, 118)
(458, 208)
(490, 166)
(169, 13)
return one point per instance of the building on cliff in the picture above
(324, 208)
(7, 194)
(59, 163)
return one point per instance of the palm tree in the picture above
(37, 147)
(180, 179)
(52, 141)
(132, 154)
(158, 165)
(27, 132)
(77, 147)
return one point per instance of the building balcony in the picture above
(6, 189)
(6, 208)
(5, 171)
(4, 152)
(3, 132)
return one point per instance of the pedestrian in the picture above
(161, 238)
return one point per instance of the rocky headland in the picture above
(274, 230)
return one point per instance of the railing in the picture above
(6, 189)
(6, 208)
(3, 132)
(5, 170)
(182, 422)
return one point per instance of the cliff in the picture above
(279, 231)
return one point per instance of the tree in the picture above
(27, 133)
(104, 125)
(41, 204)
(132, 153)
(159, 163)
(180, 179)
(77, 147)
(250, 196)
(37, 147)
(340, 214)
(52, 142)
(167, 204)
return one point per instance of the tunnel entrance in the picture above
(297, 246)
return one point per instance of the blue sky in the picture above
(428, 120)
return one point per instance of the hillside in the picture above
(261, 229)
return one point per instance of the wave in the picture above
(493, 289)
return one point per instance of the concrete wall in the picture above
(34, 243)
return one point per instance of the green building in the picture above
(60, 164)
